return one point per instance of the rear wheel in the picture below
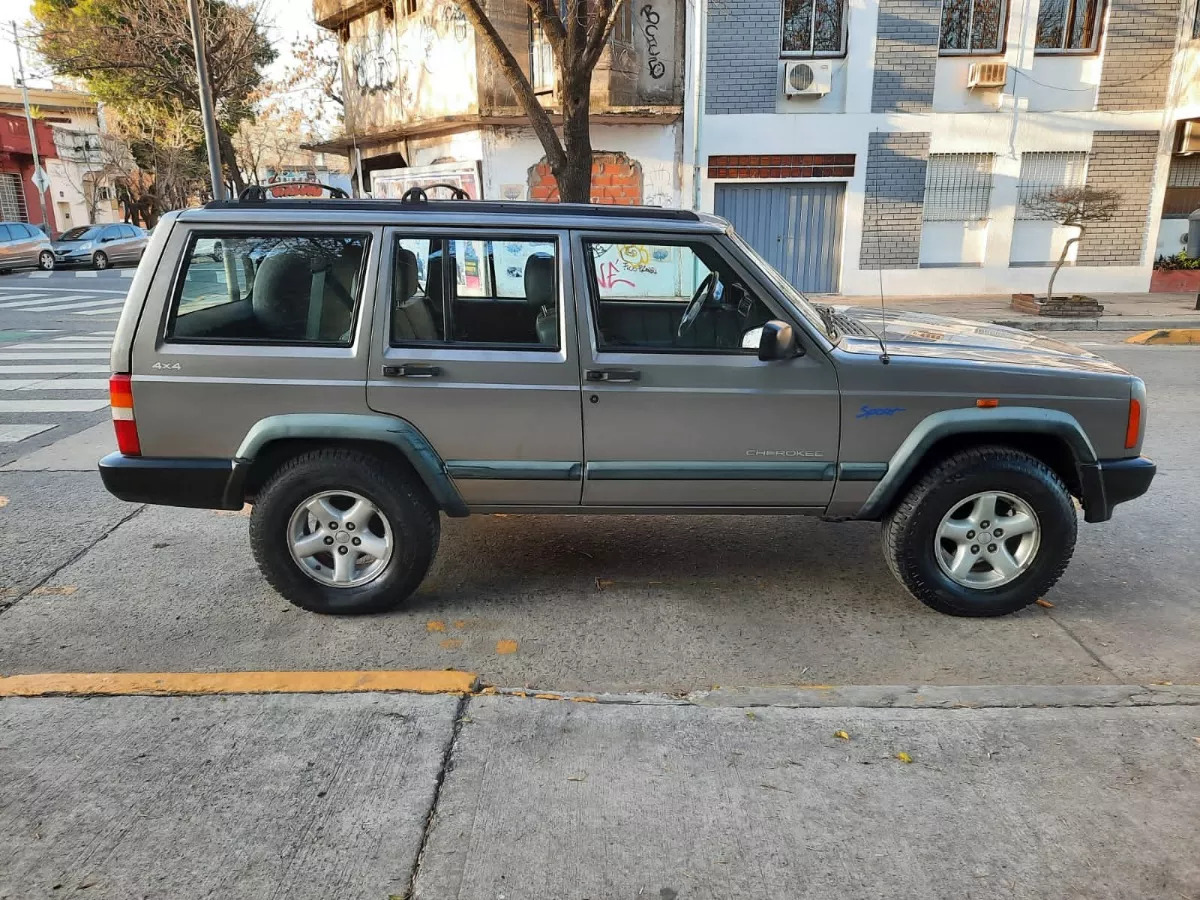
(45, 260)
(339, 532)
(984, 533)
(99, 260)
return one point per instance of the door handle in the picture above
(411, 370)
(617, 376)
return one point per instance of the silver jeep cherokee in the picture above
(355, 368)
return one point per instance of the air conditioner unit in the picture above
(807, 79)
(987, 75)
(1189, 137)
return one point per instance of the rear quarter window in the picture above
(269, 287)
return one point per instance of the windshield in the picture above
(82, 233)
(803, 304)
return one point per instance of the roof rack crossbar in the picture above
(260, 193)
(420, 195)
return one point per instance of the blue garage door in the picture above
(797, 227)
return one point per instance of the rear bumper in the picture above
(1112, 481)
(200, 483)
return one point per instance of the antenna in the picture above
(883, 354)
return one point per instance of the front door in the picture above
(678, 410)
(477, 350)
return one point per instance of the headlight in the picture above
(86, 245)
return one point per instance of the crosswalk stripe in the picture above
(104, 333)
(53, 384)
(128, 273)
(99, 312)
(95, 345)
(112, 301)
(46, 406)
(50, 369)
(10, 434)
(87, 274)
(73, 339)
(5, 356)
(28, 300)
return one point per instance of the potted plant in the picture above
(1176, 274)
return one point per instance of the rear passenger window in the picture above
(497, 292)
(270, 288)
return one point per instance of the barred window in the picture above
(1068, 25)
(973, 27)
(958, 187)
(813, 28)
(1183, 187)
(1042, 172)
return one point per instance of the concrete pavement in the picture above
(500, 797)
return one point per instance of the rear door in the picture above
(9, 247)
(477, 349)
(686, 415)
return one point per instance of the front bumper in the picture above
(1111, 481)
(199, 483)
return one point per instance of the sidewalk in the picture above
(986, 792)
(1122, 312)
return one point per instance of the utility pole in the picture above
(37, 161)
(206, 103)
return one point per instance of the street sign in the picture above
(40, 180)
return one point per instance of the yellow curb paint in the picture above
(3, 502)
(451, 643)
(506, 647)
(547, 696)
(113, 684)
(59, 590)
(1167, 336)
(435, 625)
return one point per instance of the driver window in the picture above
(671, 297)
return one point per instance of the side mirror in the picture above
(778, 342)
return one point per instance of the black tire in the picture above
(410, 514)
(909, 531)
(100, 260)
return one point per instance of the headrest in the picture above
(406, 275)
(539, 280)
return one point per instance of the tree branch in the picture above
(603, 23)
(539, 119)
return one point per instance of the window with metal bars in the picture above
(1042, 172)
(1183, 187)
(12, 198)
(958, 187)
(813, 28)
(973, 27)
(541, 59)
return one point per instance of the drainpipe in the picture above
(698, 84)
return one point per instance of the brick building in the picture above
(18, 196)
(945, 117)
(425, 103)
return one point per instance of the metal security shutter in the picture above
(796, 227)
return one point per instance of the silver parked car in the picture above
(100, 246)
(24, 246)
(354, 369)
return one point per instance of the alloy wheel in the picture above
(987, 540)
(340, 539)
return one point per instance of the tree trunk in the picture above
(229, 158)
(1062, 258)
(574, 176)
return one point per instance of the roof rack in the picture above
(260, 193)
(521, 208)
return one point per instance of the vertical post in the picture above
(206, 103)
(37, 161)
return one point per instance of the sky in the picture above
(287, 21)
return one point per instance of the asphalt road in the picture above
(92, 584)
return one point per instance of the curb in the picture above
(130, 684)
(1119, 323)
(1167, 336)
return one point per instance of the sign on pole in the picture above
(40, 180)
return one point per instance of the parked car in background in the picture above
(24, 246)
(100, 246)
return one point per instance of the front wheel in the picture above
(99, 260)
(984, 533)
(340, 532)
(46, 261)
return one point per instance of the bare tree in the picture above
(577, 35)
(1077, 207)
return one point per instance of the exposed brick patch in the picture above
(1139, 45)
(616, 179)
(830, 165)
(906, 55)
(894, 194)
(1121, 161)
(742, 65)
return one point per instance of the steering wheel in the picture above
(704, 294)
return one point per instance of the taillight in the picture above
(1133, 426)
(120, 397)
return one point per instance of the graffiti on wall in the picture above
(374, 61)
(649, 20)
